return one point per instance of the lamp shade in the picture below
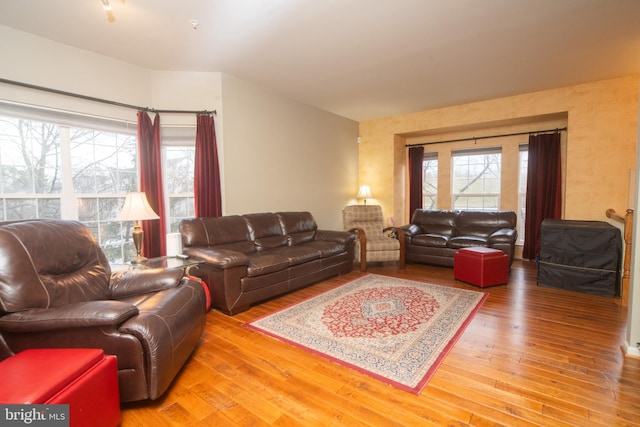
(364, 192)
(136, 208)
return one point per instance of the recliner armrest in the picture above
(78, 315)
(219, 258)
(136, 282)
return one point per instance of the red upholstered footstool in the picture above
(481, 266)
(84, 378)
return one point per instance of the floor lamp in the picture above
(136, 208)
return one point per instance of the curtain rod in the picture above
(486, 137)
(104, 101)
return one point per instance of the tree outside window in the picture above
(476, 179)
(430, 181)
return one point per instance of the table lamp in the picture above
(364, 193)
(136, 208)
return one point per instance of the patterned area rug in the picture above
(397, 331)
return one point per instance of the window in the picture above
(103, 170)
(30, 185)
(476, 179)
(430, 181)
(522, 189)
(178, 167)
(58, 165)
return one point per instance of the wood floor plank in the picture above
(531, 356)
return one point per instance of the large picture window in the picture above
(476, 179)
(59, 165)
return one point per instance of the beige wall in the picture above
(600, 144)
(282, 155)
(276, 154)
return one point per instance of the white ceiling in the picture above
(362, 59)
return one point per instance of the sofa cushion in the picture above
(467, 242)
(436, 221)
(482, 224)
(430, 239)
(266, 262)
(297, 254)
(226, 232)
(265, 231)
(300, 227)
(327, 248)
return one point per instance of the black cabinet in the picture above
(582, 256)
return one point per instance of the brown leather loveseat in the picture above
(57, 290)
(250, 258)
(434, 236)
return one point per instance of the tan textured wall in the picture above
(600, 144)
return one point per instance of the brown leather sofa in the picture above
(250, 258)
(434, 236)
(57, 290)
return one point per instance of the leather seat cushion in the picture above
(436, 240)
(266, 262)
(467, 242)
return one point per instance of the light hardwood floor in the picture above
(531, 356)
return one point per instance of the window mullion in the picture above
(68, 205)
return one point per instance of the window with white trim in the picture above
(476, 179)
(430, 181)
(178, 170)
(522, 189)
(55, 164)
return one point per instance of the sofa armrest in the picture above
(219, 258)
(343, 237)
(137, 282)
(411, 230)
(78, 315)
(504, 235)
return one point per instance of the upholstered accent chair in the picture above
(374, 242)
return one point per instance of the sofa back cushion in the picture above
(50, 263)
(265, 230)
(482, 224)
(225, 232)
(440, 222)
(299, 227)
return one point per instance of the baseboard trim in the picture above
(630, 351)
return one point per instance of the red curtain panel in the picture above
(206, 181)
(544, 188)
(150, 158)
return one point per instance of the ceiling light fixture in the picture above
(107, 8)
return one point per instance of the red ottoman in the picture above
(83, 378)
(481, 266)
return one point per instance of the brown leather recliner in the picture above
(57, 290)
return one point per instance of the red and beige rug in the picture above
(397, 331)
